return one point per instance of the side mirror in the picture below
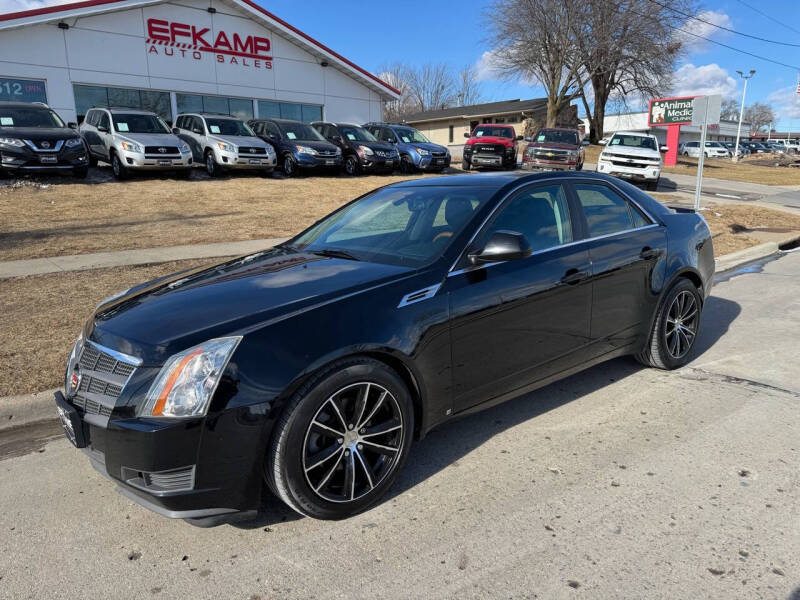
(602, 142)
(197, 130)
(102, 128)
(585, 143)
(664, 148)
(176, 130)
(466, 135)
(72, 125)
(528, 139)
(504, 245)
(519, 138)
(394, 141)
(337, 139)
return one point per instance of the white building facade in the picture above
(221, 56)
(724, 132)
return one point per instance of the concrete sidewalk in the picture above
(123, 258)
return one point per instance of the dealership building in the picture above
(221, 56)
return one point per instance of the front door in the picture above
(516, 322)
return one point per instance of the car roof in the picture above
(569, 129)
(639, 133)
(280, 121)
(6, 104)
(121, 109)
(499, 179)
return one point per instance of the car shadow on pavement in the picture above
(445, 445)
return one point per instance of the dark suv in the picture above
(361, 150)
(34, 139)
(297, 145)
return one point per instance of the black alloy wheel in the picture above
(351, 165)
(465, 166)
(289, 166)
(119, 170)
(340, 442)
(80, 172)
(406, 166)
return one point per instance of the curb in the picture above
(727, 262)
(18, 411)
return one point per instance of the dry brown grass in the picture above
(744, 171)
(43, 314)
(78, 218)
(736, 226)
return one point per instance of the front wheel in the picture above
(351, 165)
(212, 168)
(289, 166)
(80, 172)
(119, 170)
(406, 166)
(675, 328)
(465, 166)
(652, 186)
(341, 440)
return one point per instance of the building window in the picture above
(450, 134)
(90, 96)
(235, 107)
(271, 109)
(512, 119)
(22, 90)
(499, 120)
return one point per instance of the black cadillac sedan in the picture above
(307, 369)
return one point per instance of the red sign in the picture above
(172, 35)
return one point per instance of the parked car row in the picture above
(33, 138)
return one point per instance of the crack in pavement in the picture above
(722, 378)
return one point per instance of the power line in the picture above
(728, 29)
(763, 14)
(758, 56)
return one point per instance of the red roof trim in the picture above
(48, 10)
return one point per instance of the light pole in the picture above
(741, 112)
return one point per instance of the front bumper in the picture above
(181, 468)
(650, 173)
(491, 160)
(26, 160)
(377, 163)
(232, 160)
(549, 165)
(309, 161)
(147, 162)
(433, 163)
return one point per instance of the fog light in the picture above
(130, 160)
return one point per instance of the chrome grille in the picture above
(103, 376)
(179, 479)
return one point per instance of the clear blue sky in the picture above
(376, 33)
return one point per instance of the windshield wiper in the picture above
(333, 253)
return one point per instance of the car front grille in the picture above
(251, 150)
(487, 149)
(102, 377)
(158, 150)
(634, 165)
(551, 155)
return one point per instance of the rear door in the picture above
(627, 248)
(103, 137)
(515, 322)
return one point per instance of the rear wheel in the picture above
(675, 328)
(342, 439)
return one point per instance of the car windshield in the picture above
(489, 131)
(139, 123)
(408, 226)
(354, 133)
(410, 135)
(561, 137)
(301, 131)
(635, 141)
(713, 145)
(29, 117)
(228, 127)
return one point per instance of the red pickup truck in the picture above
(554, 149)
(491, 146)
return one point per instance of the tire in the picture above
(351, 166)
(465, 166)
(659, 351)
(183, 174)
(289, 166)
(119, 170)
(406, 166)
(92, 160)
(80, 172)
(212, 168)
(652, 186)
(326, 492)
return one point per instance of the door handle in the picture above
(648, 253)
(574, 276)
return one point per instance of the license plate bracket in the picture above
(70, 421)
(48, 159)
(165, 163)
(330, 161)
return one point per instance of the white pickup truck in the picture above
(634, 156)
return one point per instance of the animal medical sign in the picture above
(182, 40)
(670, 111)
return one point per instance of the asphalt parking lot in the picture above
(619, 482)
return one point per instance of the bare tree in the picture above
(468, 88)
(626, 48)
(430, 86)
(759, 115)
(395, 75)
(534, 40)
(730, 109)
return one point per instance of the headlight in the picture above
(422, 152)
(365, 151)
(188, 380)
(132, 147)
(73, 358)
(11, 142)
(185, 148)
(226, 147)
(338, 151)
(306, 150)
(74, 142)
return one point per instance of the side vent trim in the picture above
(419, 295)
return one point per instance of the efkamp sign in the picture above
(670, 111)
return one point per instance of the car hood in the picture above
(554, 145)
(156, 319)
(240, 140)
(39, 133)
(151, 139)
(384, 146)
(428, 146)
(489, 139)
(316, 145)
(633, 151)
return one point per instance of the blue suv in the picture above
(417, 153)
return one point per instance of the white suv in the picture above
(224, 142)
(713, 150)
(634, 156)
(131, 140)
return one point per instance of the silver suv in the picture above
(132, 140)
(224, 142)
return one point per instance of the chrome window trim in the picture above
(126, 358)
(653, 223)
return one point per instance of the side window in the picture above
(540, 213)
(271, 128)
(103, 121)
(257, 127)
(386, 135)
(639, 220)
(606, 211)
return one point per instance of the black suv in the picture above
(34, 139)
(361, 150)
(297, 145)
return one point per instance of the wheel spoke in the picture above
(382, 428)
(338, 413)
(330, 430)
(690, 315)
(374, 409)
(361, 405)
(367, 470)
(328, 473)
(323, 455)
(672, 342)
(688, 305)
(349, 488)
(380, 448)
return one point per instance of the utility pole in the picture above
(741, 112)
